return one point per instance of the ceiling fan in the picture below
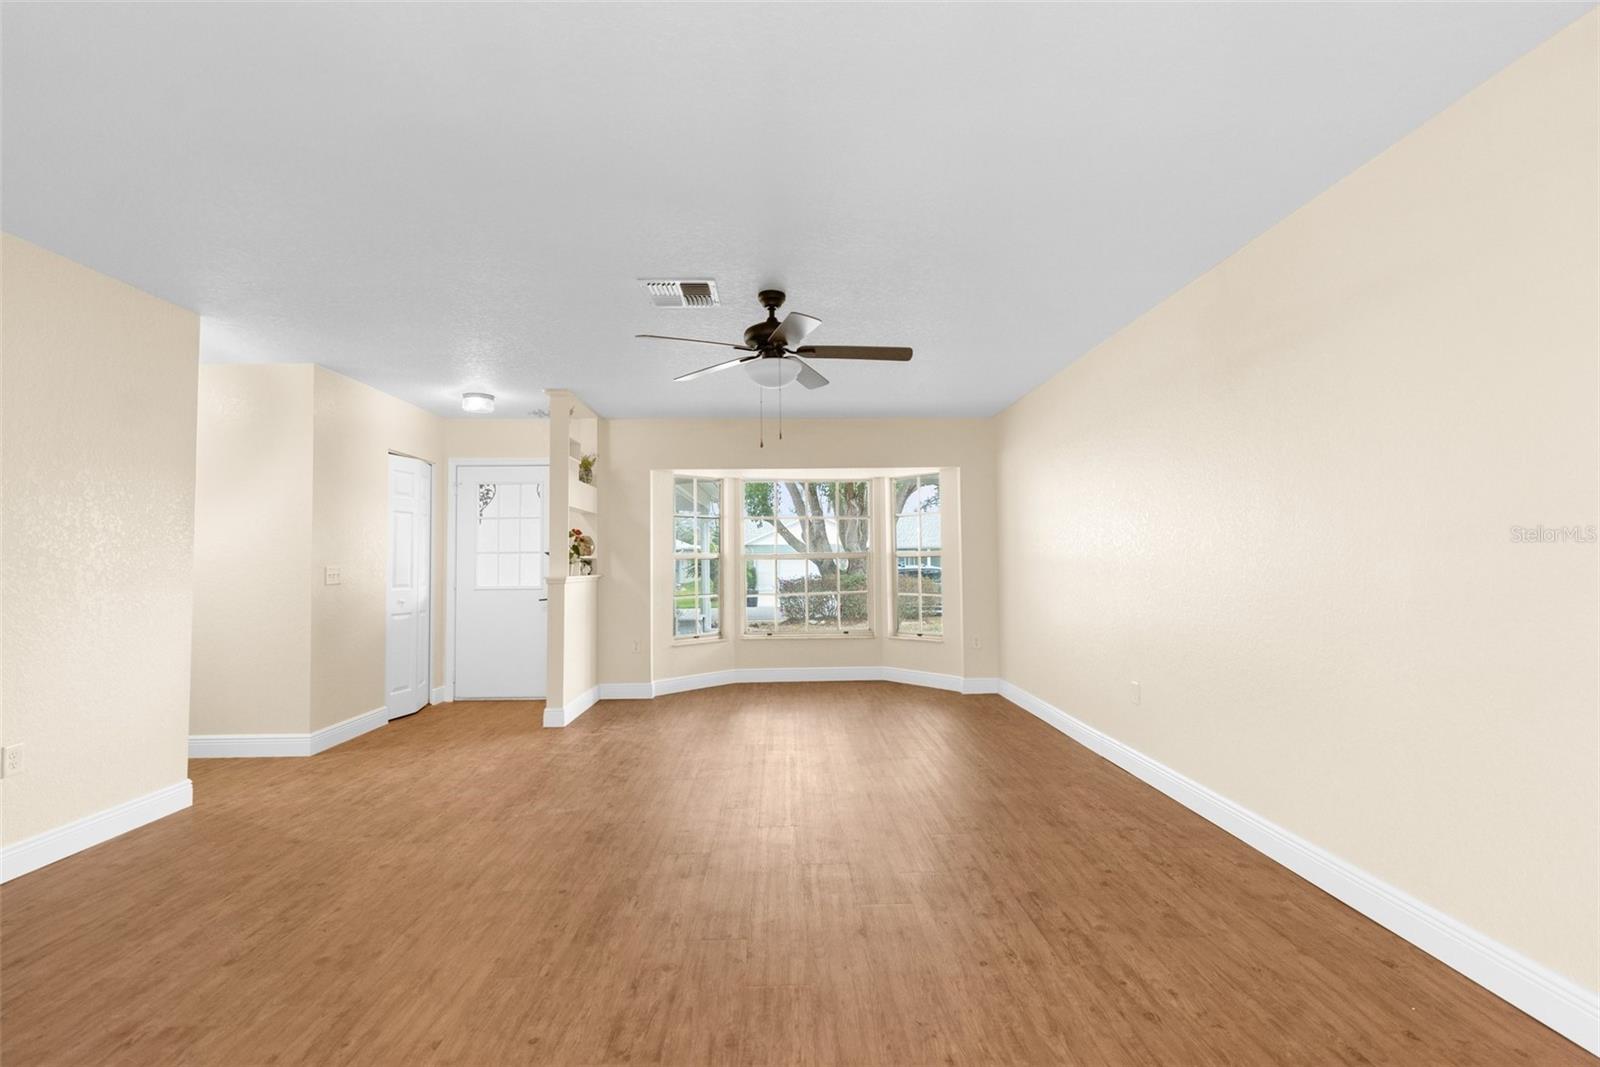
(772, 361)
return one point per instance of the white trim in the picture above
(627, 691)
(227, 746)
(926, 679)
(440, 695)
(34, 852)
(213, 746)
(687, 682)
(565, 716)
(748, 675)
(452, 471)
(1559, 1003)
(350, 728)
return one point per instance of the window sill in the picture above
(925, 639)
(807, 637)
(687, 642)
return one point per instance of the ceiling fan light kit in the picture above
(771, 373)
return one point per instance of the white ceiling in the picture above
(439, 198)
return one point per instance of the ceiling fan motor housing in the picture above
(756, 336)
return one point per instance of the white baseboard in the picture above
(627, 691)
(565, 716)
(353, 727)
(1559, 1003)
(440, 695)
(926, 679)
(34, 852)
(746, 675)
(228, 746)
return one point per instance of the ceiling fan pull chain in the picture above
(780, 407)
(761, 421)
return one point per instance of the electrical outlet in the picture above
(11, 765)
(976, 642)
(636, 647)
(331, 576)
(1136, 694)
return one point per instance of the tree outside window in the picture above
(807, 546)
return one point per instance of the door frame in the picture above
(433, 470)
(454, 471)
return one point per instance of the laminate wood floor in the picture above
(826, 873)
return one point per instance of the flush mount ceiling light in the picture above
(477, 403)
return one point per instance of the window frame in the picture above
(896, 554)
(718, 557)
(867, 558)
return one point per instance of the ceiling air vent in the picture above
(680, 294)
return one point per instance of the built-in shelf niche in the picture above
(582, 496)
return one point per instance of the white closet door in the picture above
(501, 612)
(407, 673)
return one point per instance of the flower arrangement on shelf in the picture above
(580, 552)
(586, 468)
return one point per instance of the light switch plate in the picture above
(331, 576)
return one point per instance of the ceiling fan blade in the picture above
(793, 329)
(899, 355)
(693, 340)
(714, 367)
(808, 376)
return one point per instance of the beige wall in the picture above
(355, 429)
(293, 472)
(637, 457)
(496, 438)
(252, 607)
(98, 427)
(1281, 501)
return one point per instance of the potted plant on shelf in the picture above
(580, 552)
(586, 468)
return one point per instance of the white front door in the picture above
(410, 600)
(501, 609)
